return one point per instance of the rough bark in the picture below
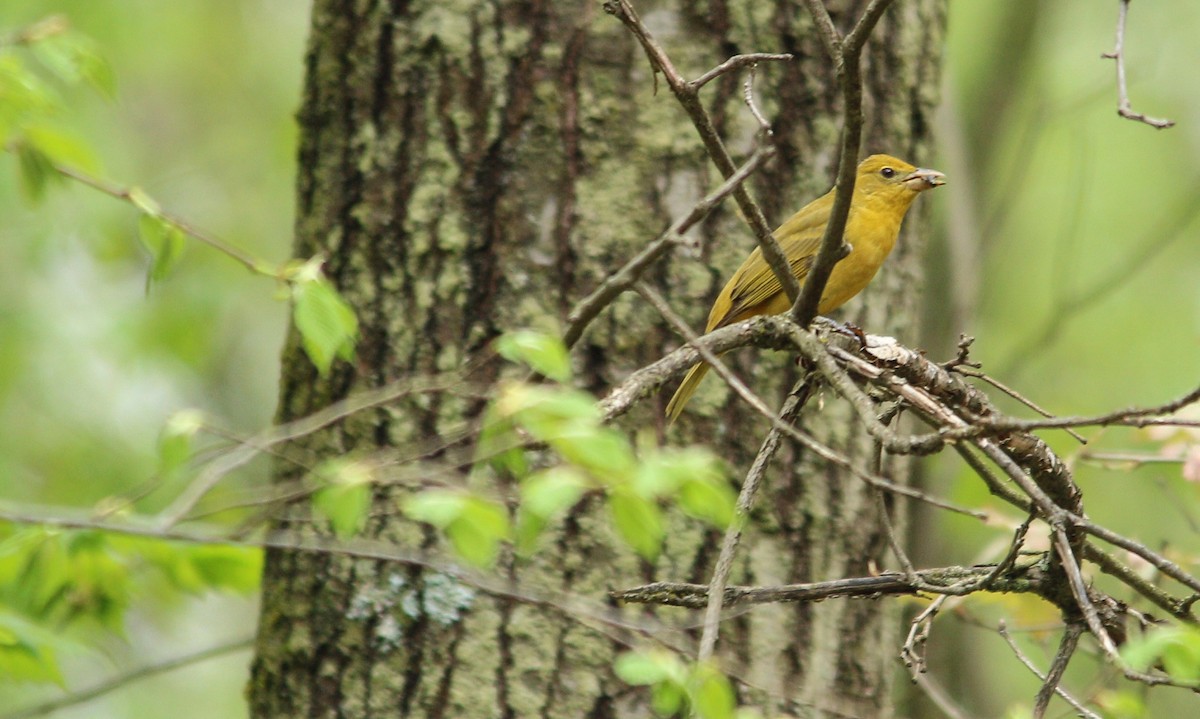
(469, 168)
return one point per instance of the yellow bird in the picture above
(884, 188)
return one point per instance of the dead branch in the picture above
(1124, 107)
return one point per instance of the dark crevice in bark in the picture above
(440, 705)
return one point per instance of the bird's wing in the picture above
(754, 283)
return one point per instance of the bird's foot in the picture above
(849, 329)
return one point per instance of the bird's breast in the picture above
(871, 239)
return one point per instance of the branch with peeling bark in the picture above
(871, 372)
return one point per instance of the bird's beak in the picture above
(922, 179)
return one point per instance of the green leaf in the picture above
(648, 667)
(602, 451)
(544, 495)
(165, 242)
(543, 353)
(638, 521)
(475, 526)
(710, 693)
(710, 501)
(346, 499)
(327, 325)
(527, 531)
(1182, 660)
(36, 171)
(232, 568)
(175, 440)
(1121, 704)
(693, 476)
(477, 532)
(668, 699)
(61, 147)
(1177, 647)
(27, 651)
(345, 506)
(546, 411)
(438, 507)
(500, 447)
(550, 491)
(661, 473)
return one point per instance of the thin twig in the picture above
(1066, 648)
(940, 698)
(687, 93)
(580, 610)
(973, 372)
(745, 502)
(1014, 550)
(1131, 417)
(590, 307)
(1135, 458)
(1084, 711)
(913, 651)
(736, 62)
(659, 303)
(748, 97)
(1124, 107)
(942, 580)
(251, 447)
(125, 194)
(1111, 566)
(114, 683)
(707, 348)
(845, 54)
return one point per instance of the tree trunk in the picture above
(469, 168)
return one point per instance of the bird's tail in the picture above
(686, 389)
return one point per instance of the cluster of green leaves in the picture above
(30, 103)
(681, 689)
(551, 439)
(56, 585)
(1175, 648)
(32, 61)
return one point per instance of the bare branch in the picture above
(688, 96)
(1083, 711)
(1124, 107)
(748, 96)
(136, 675)
(1066, 648)
(940, 698)
(126, 194)
(1132, 417)
(745, 502)
(1109, 565)
(944, 580)
(913, 651)
(974, 372)
(736, 62)
(846, 56)
(590, 307)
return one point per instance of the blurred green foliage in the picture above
(195, 105)
(588, 456)
(1068, 249)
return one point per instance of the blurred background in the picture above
(1066, 244)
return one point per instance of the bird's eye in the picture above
(888, 172)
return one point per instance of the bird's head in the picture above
(884, 176)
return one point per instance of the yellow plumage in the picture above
(884, 189)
